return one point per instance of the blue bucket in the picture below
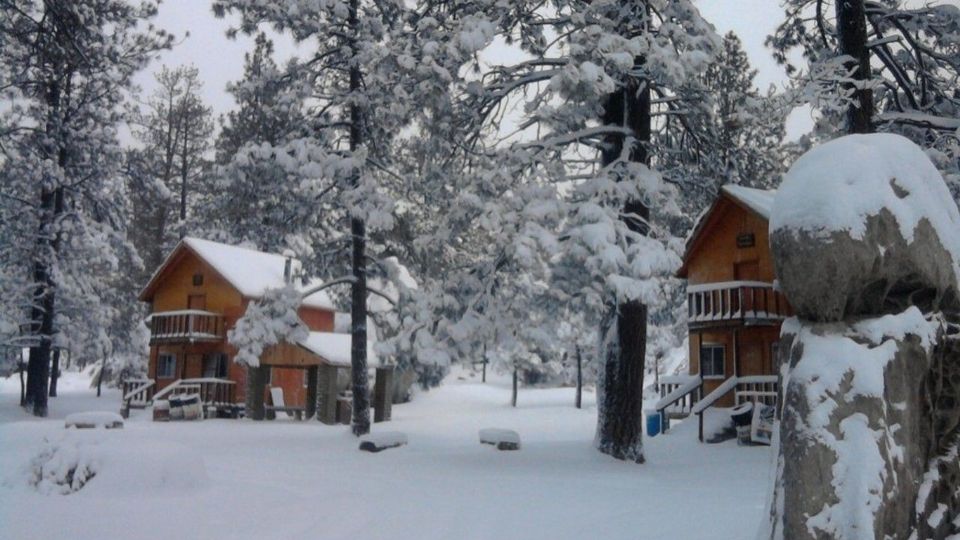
(653, 424)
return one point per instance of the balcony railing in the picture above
(736, 302)
(187, 325)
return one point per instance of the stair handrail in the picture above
(145, 384)
(707, 401)
(691, 385)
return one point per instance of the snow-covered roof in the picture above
(249, 271)
(758, 200)
(335, 348)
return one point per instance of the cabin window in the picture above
(197, 280)
(215, 365)
(166, 366)
(712, 361)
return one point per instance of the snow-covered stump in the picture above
(502, 439)
(866, 244)
(91, 420)
(376, 442)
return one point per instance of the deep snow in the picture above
(286, 479)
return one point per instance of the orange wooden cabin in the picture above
(734, 311)
(196, 296)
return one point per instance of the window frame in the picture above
(723, 360)
(161, 361)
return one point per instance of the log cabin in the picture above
(734, 310)
(196, 296)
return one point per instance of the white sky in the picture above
(220, 60)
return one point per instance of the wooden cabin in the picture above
(734, 311)
(196, 296)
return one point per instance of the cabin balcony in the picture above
(185, 326)
(735, 303)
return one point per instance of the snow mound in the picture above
(110, 466)
(375, 442)
(94, 419)
(838, 185)
(503, 439)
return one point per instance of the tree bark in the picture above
(579, 399)
(54, 373)
(513, 397)
(103, 368)
(852, 39)
(624, 330)
(358, 297)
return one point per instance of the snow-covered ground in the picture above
(284, 479)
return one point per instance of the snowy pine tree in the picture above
(64, 68)
(886, 66)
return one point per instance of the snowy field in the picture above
(285, 479)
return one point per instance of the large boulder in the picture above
(865, 225)
(866, 431)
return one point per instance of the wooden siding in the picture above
(174, 291)
(714, 254)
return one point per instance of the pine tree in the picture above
(166, 173)
(555, 212)
(375, 68)
(882, 66)
(64, 67)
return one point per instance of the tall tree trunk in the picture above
(513, 396)
(852, 38)
(184, 166)
(624, 329)
(358, 297)
(54, 373)
(579, 398)
(103, 367)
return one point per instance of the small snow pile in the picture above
(503, 439)
(375, 442)
(64, 466)
(95, 419)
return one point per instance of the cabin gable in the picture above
(731, 245)
(189, 280)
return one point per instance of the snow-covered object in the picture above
(272, 320)
(95, 419)
(857, 415)
(838, 185)
(375, 442)
(864, 225)
(335, 348)
(758, 200)
(503, 439)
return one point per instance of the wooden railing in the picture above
(188, 325)
(757, 389)
(754, 388)
(678, 394)
(137, 393)
(212, 391)
(736, 302)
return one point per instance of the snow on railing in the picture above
(185, 325)
(735, 301)
(711, 398)
(212, 391)
(136, 392)
(678, 388)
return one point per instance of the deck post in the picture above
(700, 420)
(310, 404)
(256, 386)
(383, 394)
(327, 394)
